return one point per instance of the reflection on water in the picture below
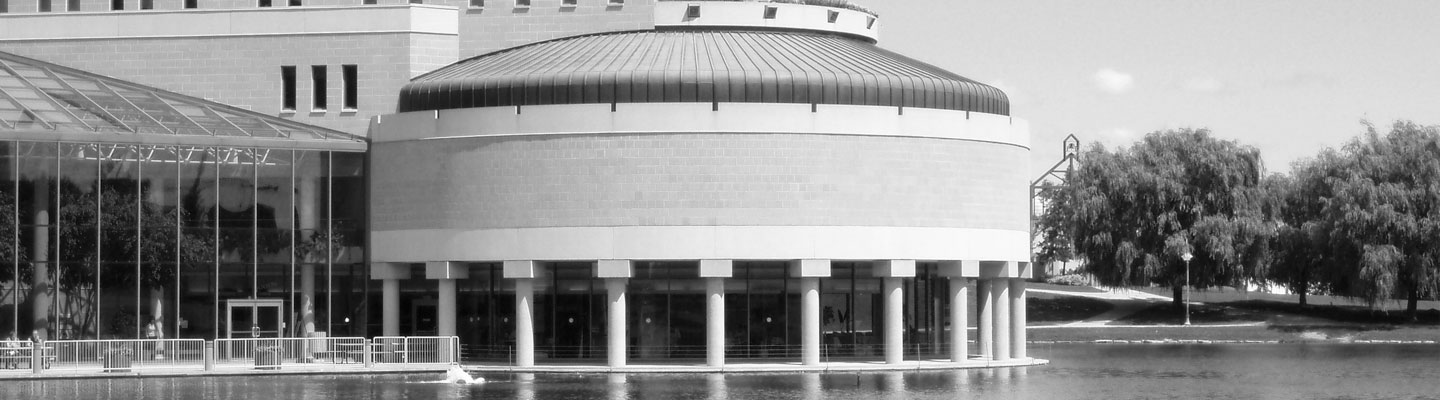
(1288, 371)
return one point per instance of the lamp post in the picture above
(1186, 298)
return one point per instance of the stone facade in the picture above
(698, 180)
(501, 25)
(244, 71)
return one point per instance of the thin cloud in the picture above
(1203, 85)
(1117, 136)
(1112, 81)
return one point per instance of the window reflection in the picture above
(150, 241)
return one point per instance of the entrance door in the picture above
(254, 318)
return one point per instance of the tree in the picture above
(1304, 257)
(1132, 212)
(1380, 201)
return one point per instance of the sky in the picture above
(1288, 77)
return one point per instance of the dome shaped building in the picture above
(745, 180)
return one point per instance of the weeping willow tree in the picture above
(1132, 212)
(1381, 210)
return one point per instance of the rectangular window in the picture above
(295, 3)
(317, 80)
(147, 4)
(567, 3)
(192, 4)
(831, 16)
(348, 74)
(617, 2)
(116, 5)
(369, 2)
(417, 1)
(72, 5)
(4, 6)
(287, 84)
(770, 12)
(522, 3)
(264, 3)
(44, 6)
(477, 3)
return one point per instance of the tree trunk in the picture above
(1178, 291)
(1411, 305)
(1303, 288)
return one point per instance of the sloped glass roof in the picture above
(44, 101)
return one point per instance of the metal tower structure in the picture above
(1057, 177)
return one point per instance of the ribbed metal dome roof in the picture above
(698, 66)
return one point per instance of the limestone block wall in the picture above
(235, 56)
(244, 71)
(500, 24)
(697, 179)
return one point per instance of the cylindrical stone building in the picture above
(746, 180)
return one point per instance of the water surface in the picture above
(1077, 371)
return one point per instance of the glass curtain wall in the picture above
(570, 312)
(851, 310)
(486, 308)
(666, 311)
(147, 241)
(12, 288)
(925, 311)
(762, 311)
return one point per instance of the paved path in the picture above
(1126, 302)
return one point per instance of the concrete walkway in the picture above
(765, 367)
(679, 367)
(285, 369)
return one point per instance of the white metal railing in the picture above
(416, 350)
(275, 352)
(104, 355)
(19, 357)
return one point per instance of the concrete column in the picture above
(715, 322)
(894, 320)
(447, 272)
(446, 308)
(892, 273)
(615, 294)
(985, 326)
(390, 275)
(810, 320)
(1017, 318)
(809, 272)
(40, 276)
(307, 299)
(524, 322)
(714, 272)
(390, 307)
(959, 323)
(523, 272)
(999, 298)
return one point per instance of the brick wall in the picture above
(500, 25)
(698, 179)
(244, 71)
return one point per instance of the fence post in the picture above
(35, 357)
(209, 355)
(365, 353)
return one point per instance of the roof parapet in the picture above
(768, 15)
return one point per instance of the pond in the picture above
(1077, 371)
